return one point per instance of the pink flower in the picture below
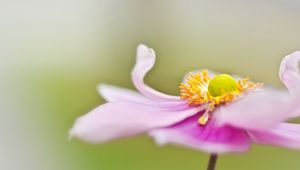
(215, 112)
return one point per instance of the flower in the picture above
(215, 113)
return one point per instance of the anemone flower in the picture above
(215, 113)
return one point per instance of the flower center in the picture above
(200, 89)
(222, 84)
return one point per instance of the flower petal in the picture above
(115, 93)
(284, 134)
(145, 60)
(289, 72)
(209, 137)
(121, 119)
(258, 110)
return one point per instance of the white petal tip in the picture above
(143, 47)
(296, 52)
(101, 88)
(144, 52)
(77, 131)
(159, 138)
(72, 133)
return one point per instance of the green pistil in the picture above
(222, 84)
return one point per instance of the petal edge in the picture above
(145, 60)
(121, 119)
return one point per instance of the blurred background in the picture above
(54, 53)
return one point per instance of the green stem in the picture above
(212, 162)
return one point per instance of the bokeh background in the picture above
(54, 53)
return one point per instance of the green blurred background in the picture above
(54, 53)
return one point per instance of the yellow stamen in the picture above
(199, 89)
(203, 119)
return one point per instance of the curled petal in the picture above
(145, 60)
(120, 119)
(289, 72)
(258, 110)
(283, 134)
(209, 138)
(114, 93)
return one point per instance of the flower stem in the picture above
(212, 162)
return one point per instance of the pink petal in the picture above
(289, 75)
(283, 134)
(209, 137)
(115, 93)
(120, 119)
(145, 60)
(289, 72)
(258, 110)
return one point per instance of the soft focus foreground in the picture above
(54, 53)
